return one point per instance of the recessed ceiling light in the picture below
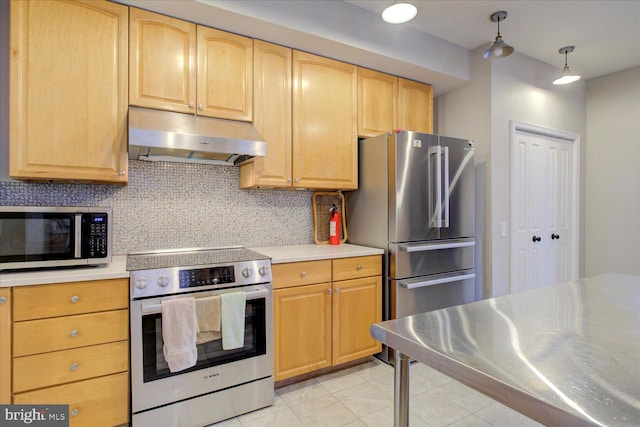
(399, 12)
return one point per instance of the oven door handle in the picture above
(250, 295)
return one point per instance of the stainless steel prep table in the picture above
(566, 355)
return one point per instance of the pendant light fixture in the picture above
(567, 75)
(399, 12)
(499, 49)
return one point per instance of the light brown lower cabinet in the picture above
(70, 345)
(321, 320)
(5, 346)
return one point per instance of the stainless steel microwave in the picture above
(36, 237)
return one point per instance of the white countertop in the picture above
(296, 253)
(117, 268)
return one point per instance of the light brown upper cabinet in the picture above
(415, 106)
(325, 152)
(68, 91)
(377, 102)
(162, 62)
(179, 66)
(271, 117)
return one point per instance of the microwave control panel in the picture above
(94, 235)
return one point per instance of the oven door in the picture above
(153, 385)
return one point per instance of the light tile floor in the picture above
(362, 396)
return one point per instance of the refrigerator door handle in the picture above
(449, 279)
(437, 211)
(435, 247)
(446, 186)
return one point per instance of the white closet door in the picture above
(542, 200)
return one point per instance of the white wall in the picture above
(514, 88)
(465, 113)
(612, 197)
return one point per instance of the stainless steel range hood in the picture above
(176, 137)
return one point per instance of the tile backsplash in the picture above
(172, 205)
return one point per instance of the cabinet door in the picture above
(68, 91)
(357, 304)
(5, 346)
(325, 130)
(225, 75)
(271, 117)
(377, 102)
(98, 402)
(162, 68)
(415, 106)
(302, 329)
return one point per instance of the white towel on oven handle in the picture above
(179, 330)
(232, 318)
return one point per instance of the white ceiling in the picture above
(438, 45)
(606, 33)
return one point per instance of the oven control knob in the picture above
(247, 272)
(141, 282)
(263, 271)
(163, 281)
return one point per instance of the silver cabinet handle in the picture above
(74, 333)
(297, 179)
(303, 274)
(191, 104)
(73, 367)
(122, 173)
(74, 413)
(337, 290)
(3, 300)
(200, 107)
(289, 180)
(329, 291)
(359, 267)
(74, 299)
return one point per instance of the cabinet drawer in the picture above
(356, 267)
(61, 333)
(301, 273)
(41, 301)
(98, 402)
(59, 367)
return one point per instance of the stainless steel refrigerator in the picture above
(415, 200)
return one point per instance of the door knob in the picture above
(536, 239)
(554, 236)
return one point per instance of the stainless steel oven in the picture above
(222, 383)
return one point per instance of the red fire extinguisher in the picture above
(334, 226)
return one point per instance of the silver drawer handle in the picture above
(74, 333)
(74, 413)
(303, 274)
(359, 267)
(436, 247)
(75, 299)
(436, 281)
(73, 367)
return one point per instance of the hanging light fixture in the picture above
(499, 49)
(567, 75)
(399, 12)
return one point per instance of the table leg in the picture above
(401, 390)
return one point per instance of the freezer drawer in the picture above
(428, 293)
(433, 257)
